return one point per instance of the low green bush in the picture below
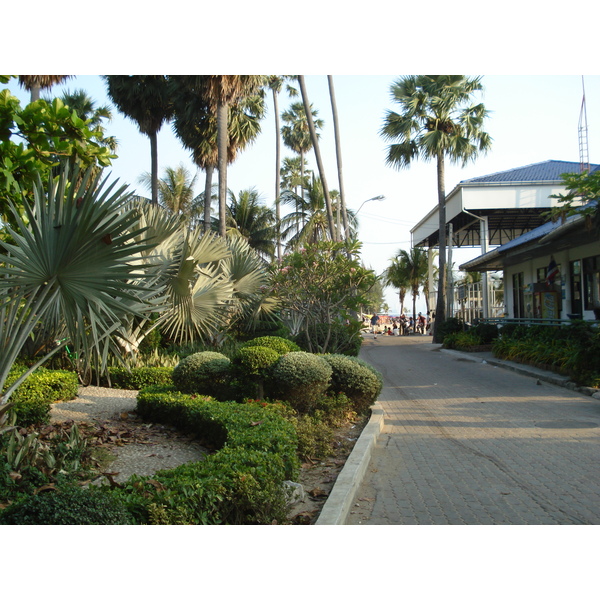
(242, 483)
(355, 378)
(487, 332)
(137, 378)
(68, 506)
(250, 369)
(450, 325)
(462, 340)
(299, 378)
(33, 398)
(203, 373)
(279, 344)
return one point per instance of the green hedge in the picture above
(279, 344)
(242, 483)
(203, 373)
(137, 378)
(33, 398)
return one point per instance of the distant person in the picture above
(374, 320)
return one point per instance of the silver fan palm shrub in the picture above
(72, 263)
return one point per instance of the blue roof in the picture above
(549, 170)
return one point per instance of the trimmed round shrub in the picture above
(279, 344)
(356, 379)
(69, 506)
(255, 360)
(203, 373)
(299, 378)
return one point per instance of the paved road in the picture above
(469, 443)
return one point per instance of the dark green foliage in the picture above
(573, 350)
(486, 332)
(254, 360)
(451, 325)
(240, 484)
(68, 506)
(299, 378)
(137, 378)
(203, 373)
(337, 337)
(279, 344)
(32, 399)
(461, 340)
(356, 379)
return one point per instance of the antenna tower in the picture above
(584, 156)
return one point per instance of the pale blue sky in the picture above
(533, 118)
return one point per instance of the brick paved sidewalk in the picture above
(469, 443)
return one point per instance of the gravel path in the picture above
(163, 449)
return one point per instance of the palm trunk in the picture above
(338, 153)
(222, 142)
(207, 198)
(315, 141)
(440, 309)
(154, 166)
(277, 177)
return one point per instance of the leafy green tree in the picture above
(438, 120)
(582, 199)
(145, 100)
(396, 276)
(322, 284)
(36, 139)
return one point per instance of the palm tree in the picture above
(175, 191)
(338, 153)
(35, 83)
(396, 276)
(296, 133)
(438, 120)
(250, 219)
(292, 173)
(145, 100)
(312, 208)
(71, 265)
(220, 92)
(316, 148)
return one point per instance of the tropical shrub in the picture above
(279, 344)
(355, 378)
(242, 483)
(203, 373)
(487, 332)
(34, 396)
(299, 378)
(462, 340)
(68, 506)
(250, 367)
(451, 325)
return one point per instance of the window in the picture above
(591, 282)
(518, 295)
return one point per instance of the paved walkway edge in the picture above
(336, 508)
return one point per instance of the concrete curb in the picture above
(336, 508)
(541, 374)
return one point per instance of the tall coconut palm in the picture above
(145, 100)
(250, 219)
(338, 153)
(35, 83)
(296, 133)
(317, 151)
(220, 92)
(438, 120)
(415, 264)
(396, 275)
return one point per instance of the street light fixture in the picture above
(369, 200)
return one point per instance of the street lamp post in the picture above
(369, 200)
